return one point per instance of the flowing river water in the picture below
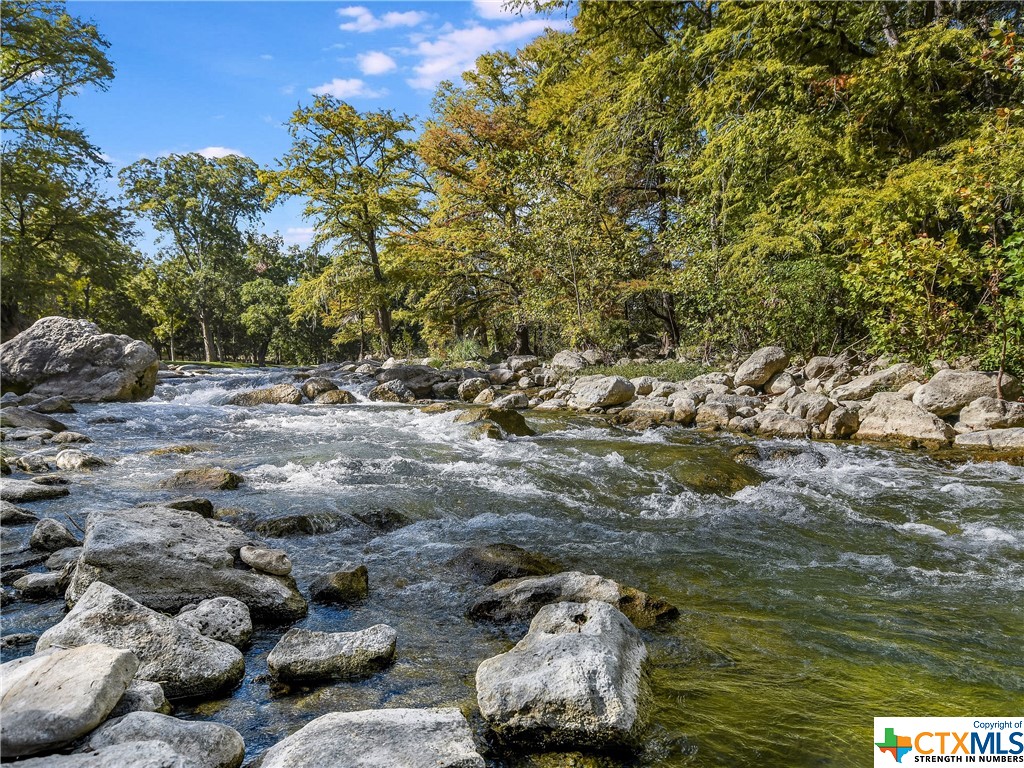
(851, 582)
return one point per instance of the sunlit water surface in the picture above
(852, 582)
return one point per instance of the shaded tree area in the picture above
(682, 178)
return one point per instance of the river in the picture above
(852, 582)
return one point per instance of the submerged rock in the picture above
(380, 738)
(491, 563)
(508, 420)
(168, 558)
(206, 478)
(342, 587)
(303, 654)
(72, 459)
(12, 515)
(49, 700)
(335, 397)
(281, 394)
(294, 525)
(73, 359)
(211, 745)
(576, 679)
(520, 599)
(169, 652)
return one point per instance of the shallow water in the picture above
(852, 582)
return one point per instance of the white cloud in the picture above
(455, 50)
(266, 57)
(493, 9)
(298, 235)
(211, 153)
(288, 90)
(348, 88)
(363, 19)
(375, 63)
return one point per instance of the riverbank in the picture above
(808, 574)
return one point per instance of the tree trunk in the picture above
(204, 325)
(670, 339)
(522, 346)
(261, 354)
(384, 326)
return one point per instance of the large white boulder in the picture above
(169, 558)
(303, 654)
(600, 392)
(574, 680)
(991, 413)
(379, 738)
(949, 391)
(761, 366)
(210, 745)
(74, 359)
(994, 439)
(183, 661)
(863, 387)
(888, 417)
(50, 699)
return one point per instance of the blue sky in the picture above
(223, 77)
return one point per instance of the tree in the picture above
(358, 175)
(60, 234)
(201, 205)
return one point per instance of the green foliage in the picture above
(667, 370)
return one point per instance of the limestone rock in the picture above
(281, 394)
(994, 439)
(949, 391)
(313, 387)
(40, 586)
(167, 559)
(520, 599)
(992, 413)
(510, 422)
(392, 392)
(72, 459)
(303, 654)
(380, 738)
(842, 423)
(26, 418)
(600, 392)
(49, 536)
(863, 387)
(49, 700)
(137, 754)
(273, 561)
(169, 652)
(576, 679)
(335, 397)
(12, 514)
(760, 367)
(568, 361)
(205, 478)
(492, 563)
(211, 745)
(890, 418)
(417, 380)
(220, 618)
(141, 696)
(73, 359)
(342, 587)
(471, 388)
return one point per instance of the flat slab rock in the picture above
(24, 491)
(169, 652)
(380, 738)
(210, 745)
(576, 679)
(303, 654)
(167, 559)
(51, 699)
(137, 754)
(521, 599)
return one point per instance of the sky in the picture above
(223, 77)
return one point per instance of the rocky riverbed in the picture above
(741, 596)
